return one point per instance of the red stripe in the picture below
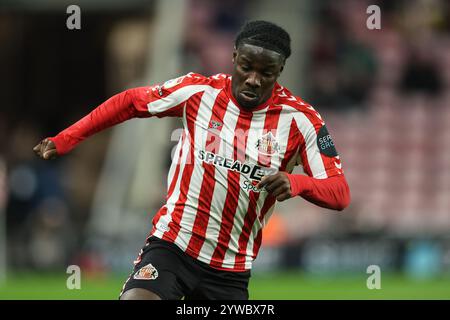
(270, 124)
(163, 210)
(232, 197)
(257, 243)
(295, 139)
(268, 203)
(302, 150)
(207, 189)
(191, 115)
(177, 170)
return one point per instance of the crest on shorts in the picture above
(147, 272)
(268, 144)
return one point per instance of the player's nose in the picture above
(253, 80)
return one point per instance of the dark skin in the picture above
(46, 150)
(255, 72)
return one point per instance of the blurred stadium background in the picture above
(385, 95)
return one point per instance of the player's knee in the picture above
(139, 294)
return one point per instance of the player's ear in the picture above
(234, 55)
(281, 69)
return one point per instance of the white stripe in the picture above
(220, 191)
(312, 150)
(170, 205)
(200, 136)
(175, 98)
(255, 131)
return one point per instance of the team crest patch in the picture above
(214, 125)
(268, 144)
(147, 272)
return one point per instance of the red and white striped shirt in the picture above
(213, 211)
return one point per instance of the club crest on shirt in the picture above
(268, 144)
(214, 125)
(147, 272)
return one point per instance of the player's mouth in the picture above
(249, 96)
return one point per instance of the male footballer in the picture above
(243, 135)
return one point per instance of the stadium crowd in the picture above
(385, 95)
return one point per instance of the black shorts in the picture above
(172, 274)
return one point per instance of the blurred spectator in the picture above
(400, 77)
(209, 34)
(51, 239)
(421, 72)
(34, 186)
(3, 185)
(343, 67)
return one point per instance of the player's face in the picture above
(255, 72)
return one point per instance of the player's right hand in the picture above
(46, 150)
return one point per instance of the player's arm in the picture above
(119, 108)
(332, 193)
(165, 100)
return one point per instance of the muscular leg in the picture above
(139, 294)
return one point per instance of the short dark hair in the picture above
(266, 35)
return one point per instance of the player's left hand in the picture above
(277, 185)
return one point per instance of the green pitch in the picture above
(290, 286)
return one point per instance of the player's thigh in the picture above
(139, 294)
(158, 272)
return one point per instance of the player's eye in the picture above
(245, 67)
